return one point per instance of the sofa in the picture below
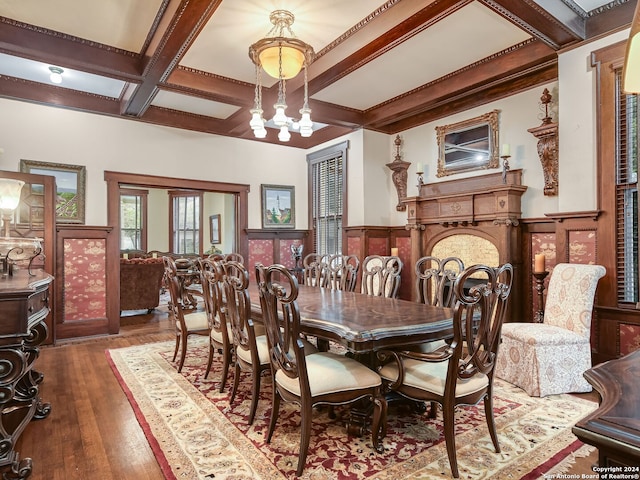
(140, 283)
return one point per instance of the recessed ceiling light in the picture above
(56, 74)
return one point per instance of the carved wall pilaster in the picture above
(399, 175)
(547, 135)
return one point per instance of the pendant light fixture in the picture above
(282, 56)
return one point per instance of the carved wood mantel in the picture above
(482, 205)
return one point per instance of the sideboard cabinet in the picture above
(24, 305)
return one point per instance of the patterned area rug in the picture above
(196, 434)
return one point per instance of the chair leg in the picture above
(275, 408)
(226, 361)
(236, 382)
(305, 435)
(491, 423)
(379, 423)
(175, 352)
(448, 412)
(183, 352)
(210, 360)
(255, 394)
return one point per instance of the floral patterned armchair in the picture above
(549, 358)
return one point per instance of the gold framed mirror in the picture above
(468, 145)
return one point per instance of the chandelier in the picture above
(282, 56)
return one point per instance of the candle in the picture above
(419, 167)
(394, 252)
(506, 150)
(154, 255)
(539, 263)
(125, 255)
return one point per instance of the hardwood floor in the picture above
(92, 432)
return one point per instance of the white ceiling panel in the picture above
(73, 79)
(191, 104)
(123, 24)
(437, 51)
(223, 45)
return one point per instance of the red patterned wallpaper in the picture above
(378, 246)
(404, 252)
(582, 247)
(629, 338)
(84, 279)
(260, 251)
(285, 252)
(542, 243)
(354, 247)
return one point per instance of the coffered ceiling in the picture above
(381, 65)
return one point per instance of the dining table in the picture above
(365, 324)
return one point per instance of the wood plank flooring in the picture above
(92, 432)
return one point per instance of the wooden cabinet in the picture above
(24, 305)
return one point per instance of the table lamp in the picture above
(9, 199)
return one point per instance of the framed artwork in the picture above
(278, 206)
(214, 223)
(70, 187)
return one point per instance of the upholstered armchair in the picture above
(549, 358)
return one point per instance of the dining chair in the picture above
(462, 373)
(191, 323)
(220, 337)
(435, 278)
(381, 276)
(342, 272)
(314, 271)
(251, 350)
(233, 256)
(321, 378)
(550, 357)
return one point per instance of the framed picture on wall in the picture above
(214, 222)
(278, 206)
(70, 187)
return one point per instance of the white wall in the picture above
(49, 134)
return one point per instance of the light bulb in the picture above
(280, 119)
(260, 132)
(56, 74)
(284, 135)
(256, 119)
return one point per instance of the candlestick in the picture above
(540, 276)
(539, 264)
(505, 166)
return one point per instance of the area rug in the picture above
(196, 434)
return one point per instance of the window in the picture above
(327, 191)
(626, 158)
(133, 219)
(186, 215)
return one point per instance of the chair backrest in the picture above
(342, 272)
(315, 269)
(211, 276)
(570, 296)
(478, 316)
(435, 279)
(238, 307)
(381, 276)
(173, 285)
(226, 257)
(281, 316)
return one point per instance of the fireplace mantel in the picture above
(484, 206)
(469, 201)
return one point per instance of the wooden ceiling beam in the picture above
(47, 46)
(177, 30)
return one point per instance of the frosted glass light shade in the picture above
(10, 193)
(256, 119)
(280, 118)
(284, 135)
(292, 61)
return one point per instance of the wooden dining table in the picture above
(364, 323)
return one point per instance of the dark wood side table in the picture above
(24, 305)
(614, 428)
